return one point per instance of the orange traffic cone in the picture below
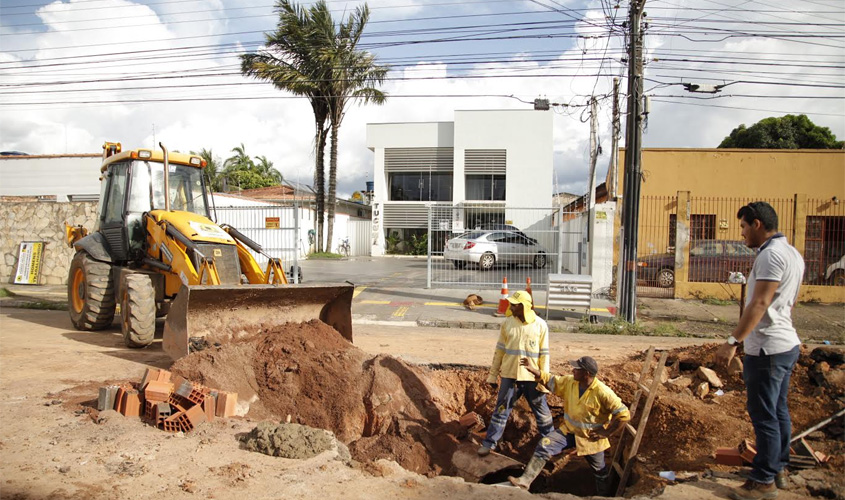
(503, 300)
(528, 289)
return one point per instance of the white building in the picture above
(493, 160)
(71, 177)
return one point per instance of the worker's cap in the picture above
(521, 297)
(587, 364)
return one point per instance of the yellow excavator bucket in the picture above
(204, 315)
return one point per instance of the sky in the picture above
(74, 74)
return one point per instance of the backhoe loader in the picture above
(156, 252)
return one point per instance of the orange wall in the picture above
(763, 173)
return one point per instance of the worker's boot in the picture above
(532, 470)
(603, 486)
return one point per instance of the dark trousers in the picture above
(767, 382)
(557, 441)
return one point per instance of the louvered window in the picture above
(485, 174)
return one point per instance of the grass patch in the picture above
(4, 292)
(43, 305)
(713, 301)
(324, 255)
(618, 326)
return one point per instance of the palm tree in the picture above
(310, 56)
(355, 76)
(289, 62)
(212, 171)
(265, 168)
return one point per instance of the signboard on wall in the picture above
(272, 223)
(30, 256)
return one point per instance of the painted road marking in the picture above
(380, 302)
(358, 290)
(401, 311)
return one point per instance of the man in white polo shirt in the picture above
(771, 347)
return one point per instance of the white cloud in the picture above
(281, 128)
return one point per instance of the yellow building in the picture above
(689, 199)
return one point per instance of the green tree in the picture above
(289, 61)
(241, 171)
(354, 77)
(265, 168)
(213, 170)
(312, 56)
(786, 132)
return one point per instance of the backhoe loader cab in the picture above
(156, 252)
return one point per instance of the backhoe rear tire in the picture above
(90, 293)
(138, 311)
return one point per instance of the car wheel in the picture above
(666, 278)
(838, 278)
(459, 264)
(486, 262)
(539, 261)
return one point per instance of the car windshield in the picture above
(186, 188)
(472, 235)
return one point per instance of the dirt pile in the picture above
(380, 406)
(684, 430)
(384, 408)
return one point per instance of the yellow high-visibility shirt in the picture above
(518, 340)
(584, 413)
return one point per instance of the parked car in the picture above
(488, 248)
(503, 227)
(835, 273)
(709, 261)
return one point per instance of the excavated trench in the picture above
(383, 407)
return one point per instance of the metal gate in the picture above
(656, 246)
(477, 245)
(360, 237)
(276, 228)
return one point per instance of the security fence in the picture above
(480, 244)
(711, 234)
(281, 231)
(656, 246)
(824, 242)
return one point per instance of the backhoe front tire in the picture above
(90, 293)
(138, 311)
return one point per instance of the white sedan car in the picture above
(488, 248)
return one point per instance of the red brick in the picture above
(158, 391)
(195, 416)
(728, 456)
(747, 450)
(209, 405)
(471, 420)
(131, 403)
(226, 402)
(118, 399)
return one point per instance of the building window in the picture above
(701, 227)
(485, 187)
(420, 186)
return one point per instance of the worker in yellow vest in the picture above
(592, 412)
(523, 335)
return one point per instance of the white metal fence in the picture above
(359, 233)
(481, 244)
(282, 231)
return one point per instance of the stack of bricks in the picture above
(168, 401)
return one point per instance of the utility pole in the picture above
(613, 167)
(633, 167)
(591, 200)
